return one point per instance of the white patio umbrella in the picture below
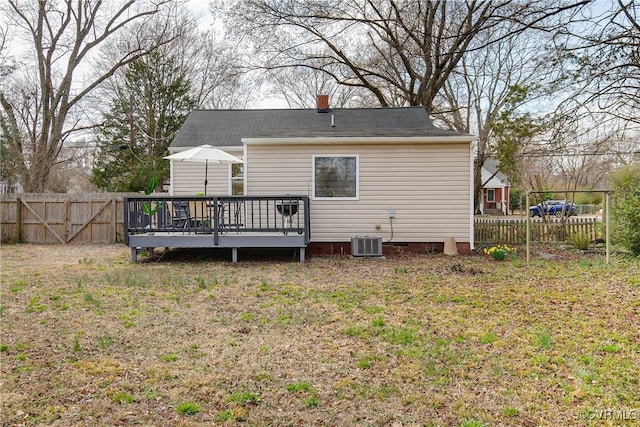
(205, 154)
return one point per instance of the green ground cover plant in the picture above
(187, 408)
(408, 340)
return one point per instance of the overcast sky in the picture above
(201, 9)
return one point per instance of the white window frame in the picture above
(491, 191)
(313, 176)
(231, 179)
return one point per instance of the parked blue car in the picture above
(553, 207)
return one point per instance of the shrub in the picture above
(581, 241)
(514, 199)
(626, 207)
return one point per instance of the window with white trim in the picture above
(237, 179)
(491, 195)
(335, 176)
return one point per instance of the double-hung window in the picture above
(237, 179)
(335, 176)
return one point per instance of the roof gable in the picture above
(491, 167)
(228, 127)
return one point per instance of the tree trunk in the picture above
(477, 182)
(37, 175)
(64, 34)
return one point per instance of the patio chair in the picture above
(179, 214)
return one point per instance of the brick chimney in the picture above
(322, 103)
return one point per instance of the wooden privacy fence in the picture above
(62, 218)
(492, 230)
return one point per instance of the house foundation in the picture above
(344, 248)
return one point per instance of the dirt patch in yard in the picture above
(188, 338)
(41, 256)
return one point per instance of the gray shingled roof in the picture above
(228, 127)
(491, 165)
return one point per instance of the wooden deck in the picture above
(217, 222)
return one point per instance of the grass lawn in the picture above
(90, 339)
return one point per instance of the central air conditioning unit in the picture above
(366, 246)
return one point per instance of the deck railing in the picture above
(216, 215)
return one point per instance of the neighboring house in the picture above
(385, 172)
(495, 189)
(6, 187)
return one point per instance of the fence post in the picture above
(607, 208)
(18, 219)
(114, 222)
(68, 225)
(125, 203)
(528, 227)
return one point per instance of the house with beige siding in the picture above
(382, 172)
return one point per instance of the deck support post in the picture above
(302, 252)
(134, 254)
(234, 255)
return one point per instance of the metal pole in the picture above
(607, 226)
(528, 226)
(206, 173)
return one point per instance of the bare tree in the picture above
(605, 76)
(216, 68)
(401, 51)
(489, 94)
(64, 36)
(3, 39)
(299, 87)
(596, 125)
(213, 65)
(8, 126)
(583, 151)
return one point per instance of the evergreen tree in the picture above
(149, 106)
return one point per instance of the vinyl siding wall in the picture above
(427, 185)
(188, 177)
